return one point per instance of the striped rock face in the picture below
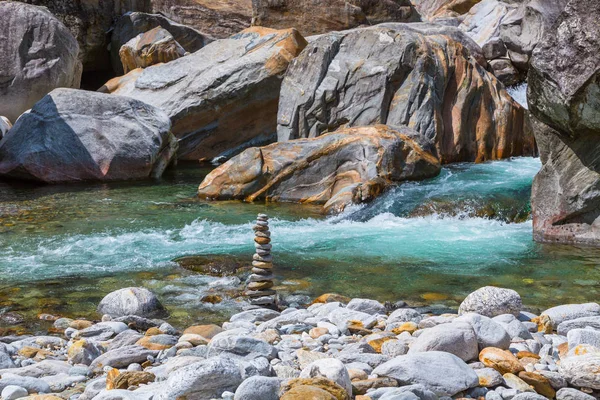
(416, 75)
(337, 169)
(222, 97)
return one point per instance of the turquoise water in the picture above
(445, 237)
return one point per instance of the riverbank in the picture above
(336, 348)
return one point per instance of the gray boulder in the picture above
(258, 388)
(512, 326)
(367, 306)
(442, 373)
(489, 333)
(37, 370)
(572, 394)
(568, 312)
(133, 24)
(38, 54)
(203, 380)
(578, 323)
(355, 78)
(581, 371)
(242, 346)
(131, 301)
(576, 337)
(402, 315)
(12, 392)
(491, 301)
(31, 384)
(410, 392)
(122, 357)
(5, 126)
(74, 135)
(457, 338)
(5, 361)
(222, 98)
(255, 315)
(564, 94)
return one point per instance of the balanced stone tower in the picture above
(260, 282)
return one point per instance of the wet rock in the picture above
(222, 98)
(133, 24)
(501, 360)
(329, 368)
(38, 55)
(488, 332)
(563, 95)
(326, 87)
(204, 379)
(258, 388)
(131, 301)
(334, 15)
(308, 170)
(95, 137)
(443, 373)
(150, 48)
(457, 338)
(491, 301)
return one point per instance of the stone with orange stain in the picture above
(327, 170)
(544, 323)
(80, 324)
(111, 376)
(157, 342)
(527, 354)
(440, 90)
(153, 47)
(501, 360)
(331, 298)
(206, 331)
(540, 383)
(222, 97)
(378, 342)
(318, 332)
(409, 327)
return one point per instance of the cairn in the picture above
(260, 282)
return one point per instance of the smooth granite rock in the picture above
(491, 301)
(131, 301)
(457, 338)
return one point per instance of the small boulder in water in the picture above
(491, 301)
(131, 301)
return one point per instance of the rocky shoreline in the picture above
(335, 348)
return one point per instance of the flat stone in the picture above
(265, 247)
(122, 357)
(158, 342)
(31, 384)
(263, 301)
(263, 253)
(260, 271)
(514, 382)
(259, 228)
(37, 370)
(265, 259)
(263, 265)
(260, 278)
(491, 301)
(442, 373)
(265, 234)
(262, 240)
(243, 346)
(261, 286)
(539, 382)
(566, 394)
(368, 306)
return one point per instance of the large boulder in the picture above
(482, 22)
(133, 24)
(5, 126)
(492, 301)
(74, 135)
(37, 55)
(457, 338)
(321, 16)
(337, 169)
(218, 18)
(224, 96)
(524, 27)
(564, 95)
(442, 373)
(131, 301)
(90, 22)
(403, 74)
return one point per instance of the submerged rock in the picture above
(75, 135)
(37, 55)
(345, 167)
(356, 78)
(222, 97)
(564, 94)
(333, 15)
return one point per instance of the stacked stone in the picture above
(260, 282)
